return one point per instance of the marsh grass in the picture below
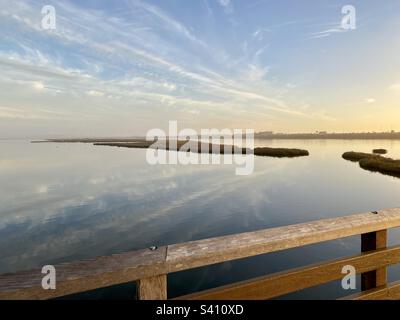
(379, 151)
(357, 156)
(179, 145)
(375, 163)
(382, 165)
(201, 147)
(280, 152)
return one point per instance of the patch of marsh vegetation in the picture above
(280, 152)
(179, 145)
(375, 162)
(381, 164)
(201, 147)
(356, 156)
(189, 146)
(379, 151)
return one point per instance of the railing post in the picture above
(373, 241)
(154, 288)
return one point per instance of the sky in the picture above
(121, 68)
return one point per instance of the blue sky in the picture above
(124, 67)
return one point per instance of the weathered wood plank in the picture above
(373, 241)
(274, 285)
(121, 268)
(215, 250)
(154, 288)
(85, 275)
(389, 291)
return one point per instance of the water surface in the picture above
(62, 202)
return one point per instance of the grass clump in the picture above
(357, 156)
(379, 151)
(375, 163)
(381, 164)
(179, 145)
(202, 147)
(280, 152)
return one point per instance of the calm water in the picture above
(62, 202)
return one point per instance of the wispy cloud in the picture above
(22, 114)
(370, 100)
(157, 66)
(94, 93)
(335, 29)
(227, 5)
(104, 63)
(395, 87)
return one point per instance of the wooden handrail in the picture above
(85, 275)
(385, 292)
(280, 283)
(149, 267)
(200, 253)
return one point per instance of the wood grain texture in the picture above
(121, 268)
(85, 275)
(154, 288)
(387, 292)
(215, 250)
(378, 277)
(281, 283)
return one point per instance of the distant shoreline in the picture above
(258, 135)
(326, 136)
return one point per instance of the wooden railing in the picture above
(149, 267)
